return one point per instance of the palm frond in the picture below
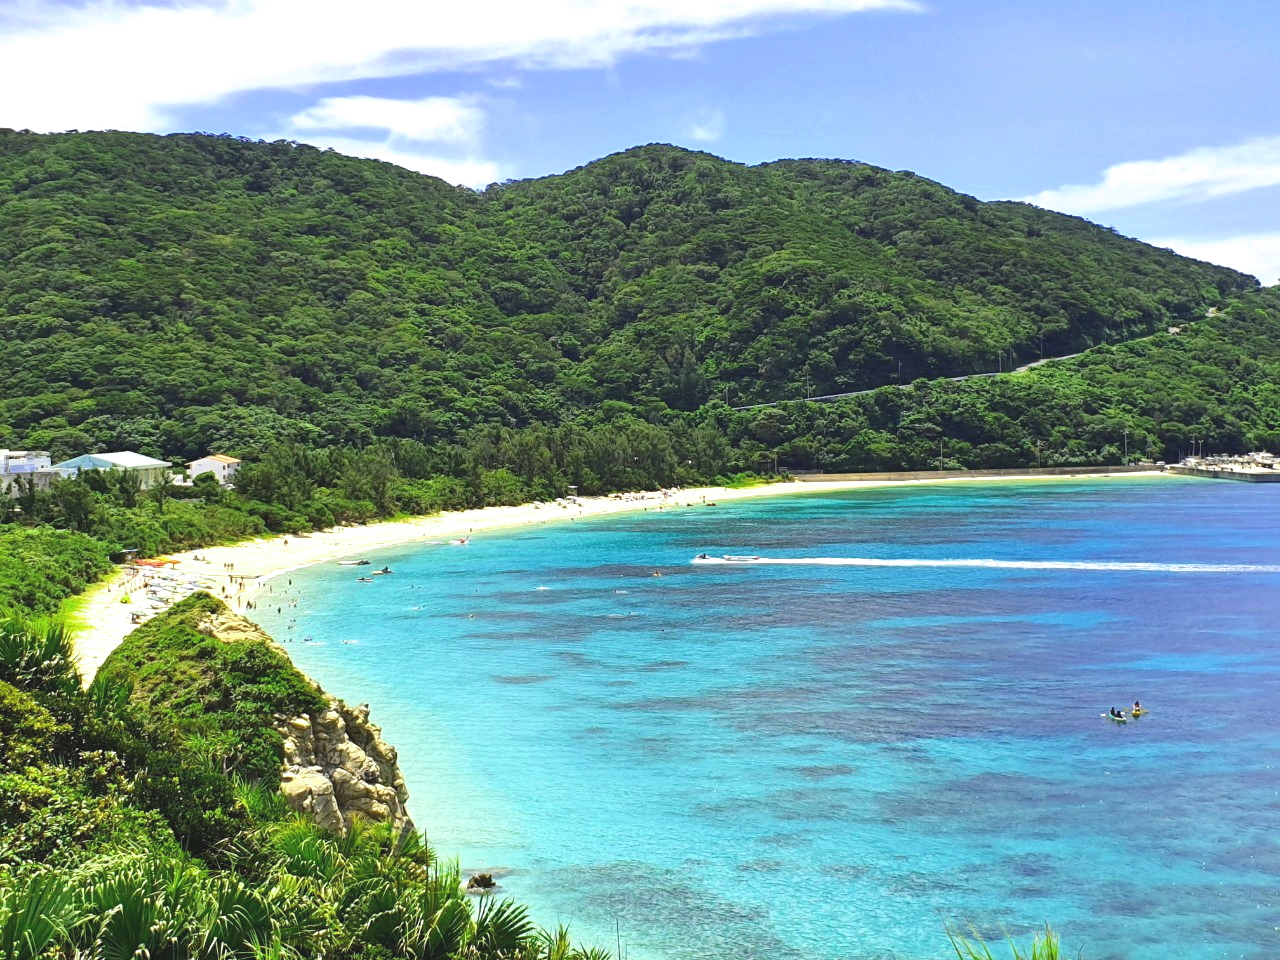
(37, 914)
(37, 655)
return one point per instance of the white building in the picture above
(151, 472)
(33, 465)
(220, 465)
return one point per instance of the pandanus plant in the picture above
(37, 655)
(38, 911)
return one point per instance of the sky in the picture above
(1160, 118)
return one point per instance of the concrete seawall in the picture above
(976, 474)
(1249, 476)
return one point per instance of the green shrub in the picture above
(41, 567)
(28, 732)
(210, 688)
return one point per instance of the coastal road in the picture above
(1212, 311)
(907, 386)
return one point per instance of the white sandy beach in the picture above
(238, 571)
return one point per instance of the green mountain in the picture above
(173, 294)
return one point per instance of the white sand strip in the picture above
(238, 571)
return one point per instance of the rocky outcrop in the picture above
(337, 768)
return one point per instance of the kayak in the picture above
(1137, 713)
(1116, 719)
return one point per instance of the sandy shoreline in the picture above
(238, 571)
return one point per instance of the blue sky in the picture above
(1161, 119)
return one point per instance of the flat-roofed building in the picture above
(18, 467)
(151, 472)
(220, 465)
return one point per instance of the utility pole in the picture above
(899, 371)
(1039, 443)
(1126, 448)
(939, 454)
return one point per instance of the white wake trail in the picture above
(996, 564)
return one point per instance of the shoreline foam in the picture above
(102, 620)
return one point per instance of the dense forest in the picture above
(1214, 381)
(178, 294)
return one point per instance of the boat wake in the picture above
(993, 564)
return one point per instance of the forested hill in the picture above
(175, 294)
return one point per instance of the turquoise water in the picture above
(826, 761)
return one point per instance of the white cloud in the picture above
(1257, 254)
(116, 64)
(706, 126)
(411, 133)
(442, 119)
(466, 171)
(1200, 174)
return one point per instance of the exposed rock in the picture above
(337, 767)
(481, 881)
(232, 628)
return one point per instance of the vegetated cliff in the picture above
(266, 292)
(235, 694)
(125, 833)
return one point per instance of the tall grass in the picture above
(1044, 946)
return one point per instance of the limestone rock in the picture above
(337, 768)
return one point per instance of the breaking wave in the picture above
(997, 564)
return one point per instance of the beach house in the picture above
(220, 465)
(25, 465)
(151, 472)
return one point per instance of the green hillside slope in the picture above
(1215, 382)
(172, 294)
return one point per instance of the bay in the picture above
(820, 761)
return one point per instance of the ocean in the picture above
(819, 760)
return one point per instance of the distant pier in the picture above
(1249, 475)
